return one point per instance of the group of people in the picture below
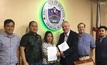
(34, 52)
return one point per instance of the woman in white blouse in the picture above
(48, 42)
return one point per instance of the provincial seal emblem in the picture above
(53, 14)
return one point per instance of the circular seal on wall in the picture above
(53, 14)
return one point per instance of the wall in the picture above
(24, 11)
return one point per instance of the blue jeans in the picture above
(36, 63)
(50, 64)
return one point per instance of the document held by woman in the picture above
(52, 53)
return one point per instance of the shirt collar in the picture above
(32, 33)
(82, 34)
(68, 33)
(103, 37)
(6, 35)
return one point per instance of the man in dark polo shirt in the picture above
(30, 46)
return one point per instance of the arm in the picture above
(58, 52)
(17, 53)
(91, 53)
(0, 44)
(44, 50)
(23, 55)
(92, 45)
(61, 40)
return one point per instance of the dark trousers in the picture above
(50, 64)
(63, 62)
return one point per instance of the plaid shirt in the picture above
(8, 49)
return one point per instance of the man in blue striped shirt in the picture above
(9, 43)
(86, 42)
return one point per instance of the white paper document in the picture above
(52, 51)
(63, 46)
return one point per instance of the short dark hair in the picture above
(8, 21)
(81, 23)
(46, 34)
(32, 22)
(104, 27)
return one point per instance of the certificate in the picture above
(52, 51)
(63, 46)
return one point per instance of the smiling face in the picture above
(65, 27)
(81, 28)
(49, 38)
(102, 32)
(33, 27)
(9, 28)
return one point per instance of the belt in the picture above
(83, 56)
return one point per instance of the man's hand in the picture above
(62, 54)
(25, 63)
(58, 53)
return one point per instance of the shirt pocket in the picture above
(87, 42)
(4, 45)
